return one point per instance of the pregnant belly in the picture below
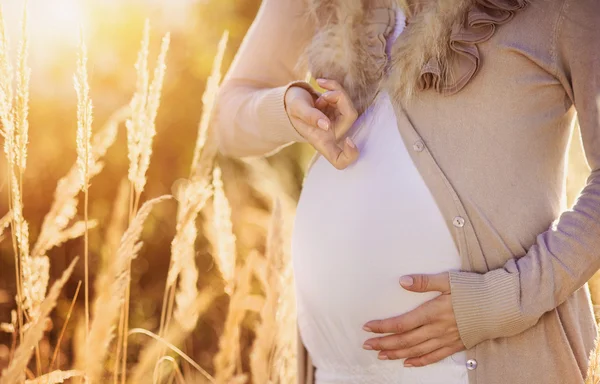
(348, 276)
(348, 254)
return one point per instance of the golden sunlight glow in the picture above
(51, 22)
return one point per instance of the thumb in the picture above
(426, 283)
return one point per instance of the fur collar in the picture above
(349, 44)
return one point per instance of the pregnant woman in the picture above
(441, 138)
(356, 231)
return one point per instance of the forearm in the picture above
(250, 117)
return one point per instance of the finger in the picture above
(340, 156)
(433, 357)
(400, 324)
(330, 84)
(426, 283)
(301, 109)
(342, 101)
(416, 351)
(321, 103)
(404, 340)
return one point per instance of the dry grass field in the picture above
(130, 251)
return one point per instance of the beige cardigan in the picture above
(493, 153)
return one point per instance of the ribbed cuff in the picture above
(272, 112)
(486, 306)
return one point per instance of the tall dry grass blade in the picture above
(178, 374)
(225, 241)
(228, 358)
(284, 362)
(593, 373)
(85, 160)
(192, 198)
(64, 327)
(112, 238)
(174, 335)
(206, 148)
(8, 131)
(141, 128)
(273, 353)
(263, 348)
(15, 371)
(138, 107)
(36, 273)
(73, 232)
(55, 377)
(6, 78)
(21, 106)
(4, 223)
(108, 302)
(152, 105)
(64, 205)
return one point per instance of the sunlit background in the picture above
(112, 30)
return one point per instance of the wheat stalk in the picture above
(162, 342)
(141, 130)
(21, 106)
(263, 348)
(192, 199)
(593, 373)
(8, 131)
(225, 242)
(108, 302)
(149, 129)
(206, 148)
(55, 377)
(85, 160)
(4, 223)
(138, 107)
(14, 372)
(228, 358)
(112, 237)
(173, 336)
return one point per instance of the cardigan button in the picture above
(458, 222)
(418, 145)
(471, 364)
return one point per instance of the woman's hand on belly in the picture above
(322, 122)
(424, 335)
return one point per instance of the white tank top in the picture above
(356, 231)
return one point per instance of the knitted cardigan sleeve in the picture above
(509, 300)
(250, 117)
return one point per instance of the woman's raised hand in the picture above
(322, 122)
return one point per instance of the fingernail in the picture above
(366, 328)
(406, 281)
(367, 347)
(323, 124)
(382, 357)
(408, 365)
(321, 80)
(350, 143)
